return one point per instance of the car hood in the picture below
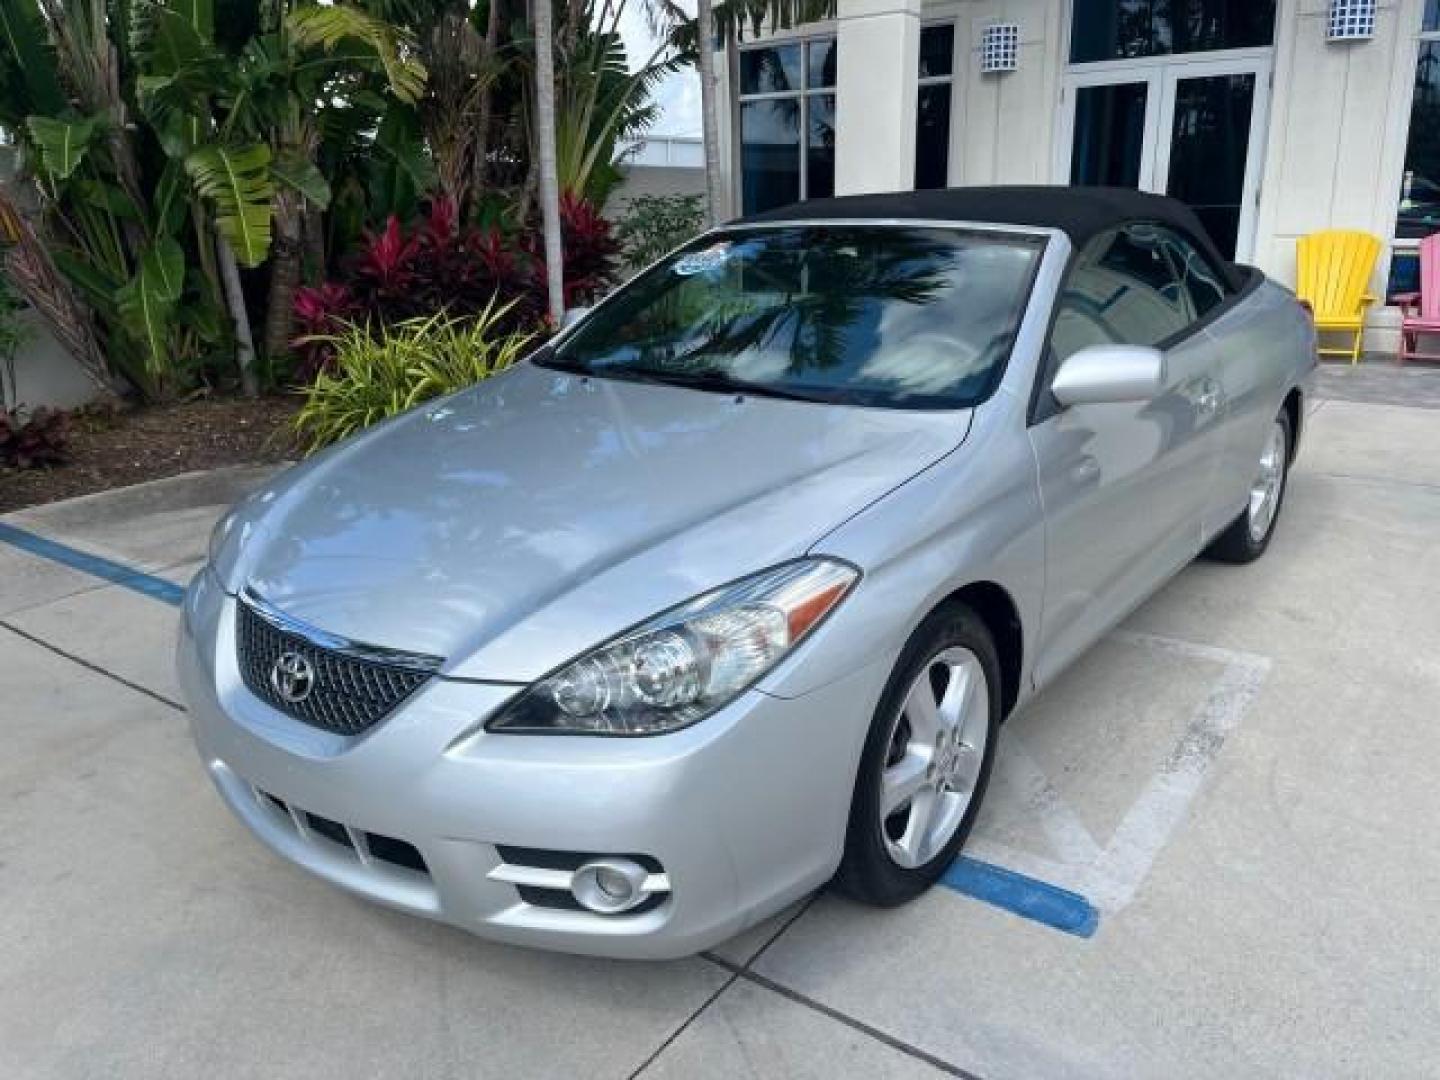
(511, 526)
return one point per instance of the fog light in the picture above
(609, 886)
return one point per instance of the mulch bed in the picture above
(112, 448)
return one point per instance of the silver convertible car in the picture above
(726, 591)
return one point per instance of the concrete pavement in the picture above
(1241, 781)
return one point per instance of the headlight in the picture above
(686, 663)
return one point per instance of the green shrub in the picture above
(375, 376)
(654, 225)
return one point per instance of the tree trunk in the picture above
(313, 228)
(235, 299)
(545, 141)
(709, 122)
(314, 264)
(285, 256)
(485, 109)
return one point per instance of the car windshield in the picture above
(891, 316)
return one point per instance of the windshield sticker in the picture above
(698, 262)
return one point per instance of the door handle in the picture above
(1209, 400)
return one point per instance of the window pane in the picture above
(1432, 15)
(1122, 292)
(1420, 186)
(1113, 29)
(1404, 274)
(932, 137)
(770, 71)
(770, 153)
(1208, 150)
(821, 66)
(937, 50)
(1109, 135)
(892, 316)
(1198, 277)
(820, 151)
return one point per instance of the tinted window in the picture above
(770, 152)
(1115, 29)
(1202, 283)
(1420, 183)
(932, 118)
(1121, 292)
(932, 137)
(877, 315)
(1109, 135)
(787, 123)
(820, 159)
(937, 50)
(820, 56)
(770, 71)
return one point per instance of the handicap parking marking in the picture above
(157, 588)
(1108, 875)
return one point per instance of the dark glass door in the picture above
(1209, 151)
(1109, 141)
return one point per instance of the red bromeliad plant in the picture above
(442, 264)
(386, 266)
(590, 249)
(320, 312)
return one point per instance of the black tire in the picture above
(1240, 543)
(867, 871)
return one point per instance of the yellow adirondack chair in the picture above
(1335, 268)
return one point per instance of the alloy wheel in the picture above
(1269, 484)
(934, 756)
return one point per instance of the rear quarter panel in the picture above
(1266, 348)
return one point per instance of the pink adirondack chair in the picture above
(1420, 312)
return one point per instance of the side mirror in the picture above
(572, 316)
(1104, 374)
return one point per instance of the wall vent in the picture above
(999, 48)
(1351, 20)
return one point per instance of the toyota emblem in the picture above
(292, 677)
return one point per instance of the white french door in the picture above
(1188, 126)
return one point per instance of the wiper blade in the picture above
(720, 381)
(717, 381)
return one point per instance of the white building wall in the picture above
(1002, 125)
(875, 135)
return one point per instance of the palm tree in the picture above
(545, 144)
(709, 122)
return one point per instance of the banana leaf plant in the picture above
(255, 164)
(114, 99)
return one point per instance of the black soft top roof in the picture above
(1080, 212)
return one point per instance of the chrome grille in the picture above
(354, 686)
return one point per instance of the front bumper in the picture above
(744, 812)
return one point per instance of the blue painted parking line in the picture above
(1028, 897)
(156, 588)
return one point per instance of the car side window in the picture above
(1202, 282)
(1123, 290)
